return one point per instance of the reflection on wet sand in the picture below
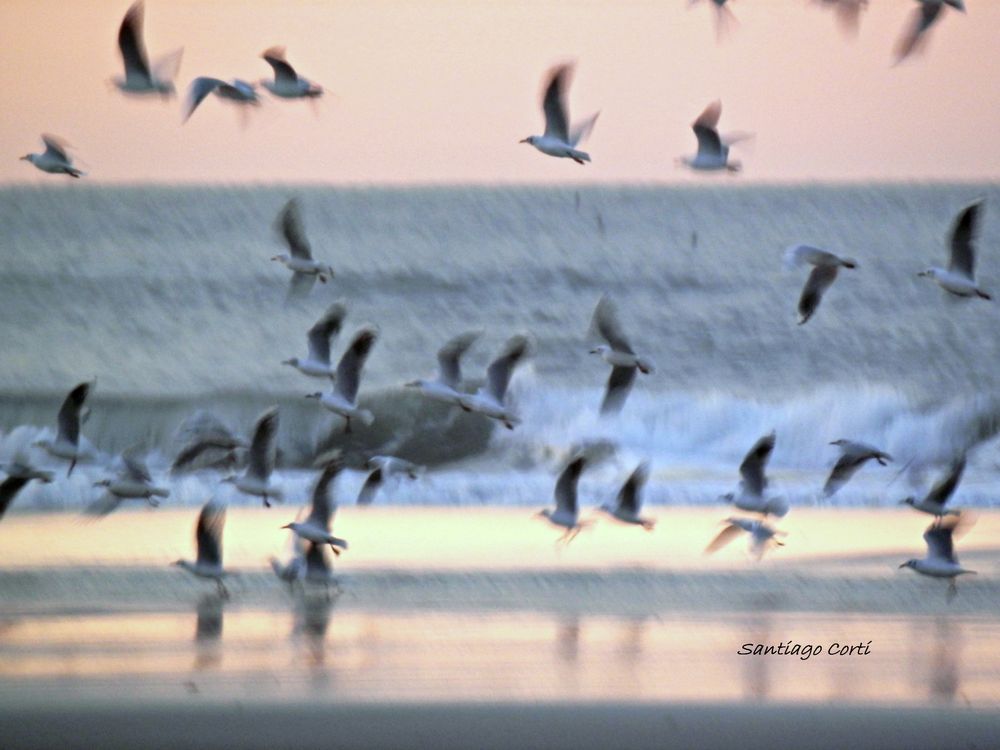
(208, 632)
(311, 618)
(757, 671)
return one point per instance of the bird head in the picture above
(318, 394)
(103, 483)
(530, 139)
(26, 157)
(413, 384)
(909, 564)
(283, 257)
(600, 349)
(931, 272)
(838, 441)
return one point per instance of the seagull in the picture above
(618, 353)
(565, 514)
(628, 503)
(935, 500)
(317, 363)
(342, 399)
(209, 444)
(67, 444)
(713, 150)
(287, 84)
(54, 159)
(960, 278)
(558, 139)
(316, 527)
(922, 19)
(304, 269)
(449, 379)
(825, 266)
(941, 561)
(489, 400)
(260, 460)
(853, 456)
(762, 536)
(848, 13)
(383, 467)
(237, 91)
(19, 473)
(139, 77)
(208, 537)
(753, 482)
(134, 481)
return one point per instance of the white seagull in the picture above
(342, 399)
(825, 267)
(713, 150)
(67, 443)
(316, 527)
(54, 159)
(256, 480)
(208, 537)
(238, 91)
(19, 472)
(618, 353)
(140, 78)
(287, 84)
(941, 561)
(628, 504)
(133, 482)
(923, 18)
(762, 536)
(490, 399)
(960, 278)
(317, 363)
(304, 269)
(753, 482)
(558, 140)
(935, 500)
(383, 467)
(566, 515)
(853, 456)
(449, 380)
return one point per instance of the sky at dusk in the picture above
(441, 92)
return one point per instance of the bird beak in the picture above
(287, 526)
(22, 158)
(902, 566)
(523, 140)
(275, 258)
(411, 384)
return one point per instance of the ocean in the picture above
(166, 296)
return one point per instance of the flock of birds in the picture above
(310, 562)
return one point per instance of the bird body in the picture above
(237, 91)
(449, 380)
(959, 278)
(140, 77)
(342, 399)
(54, 159)
(753, 482)
(208, 538)
(287, 84)
(566, 514)
(713, 150)
(762, 536)
(490, 400)
(558, 140)
(935, 500)
(825, 267)
(316, 527)
(317, 363)
(941, 560)
(133, 482)
(256, 480)
(853, 456)
(923, 19)
(382, 468)
(305, 269)
(19, 473)
(628, 504)
(67, 442)
(617, 352)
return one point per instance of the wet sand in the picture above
(479, 631)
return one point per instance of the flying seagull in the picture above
(208, 537)
(713, 149)
(753, 482)
(54, 159)
(825, 267)
(316, 527)
(238, 91)
(304, 269)
(853, 456)
(67, 443)
(935, 500)
(762, 536)
(383, 467)
(446, 386)
(941, 561)
(922, 19)
(618, 353)
(847, 13)
(317, 363)
(342, 399)
(133, 481)
(19, 473)
(256, 480)
(558, 140)
(627, 506)
(490, 400)
(209, 443)
(566, 515)
(287, 84)
(960, 278)
(140, 78)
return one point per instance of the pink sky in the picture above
(439, 92)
